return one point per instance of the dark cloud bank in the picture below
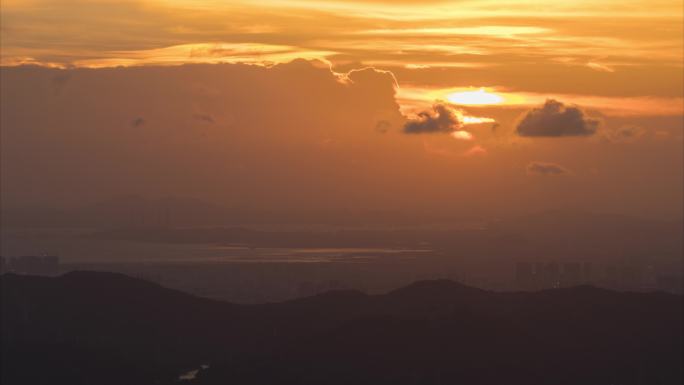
(442, 119)
(555, 119)
(88, 142)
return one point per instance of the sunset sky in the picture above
(480, 107)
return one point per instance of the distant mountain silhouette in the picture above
(105, 328)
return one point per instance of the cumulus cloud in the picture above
(546, 169)
(441, 119)
(555, 119)
(367, 75)
(145, 117)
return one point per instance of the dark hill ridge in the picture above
(119, 329)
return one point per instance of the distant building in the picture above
(572, 274)
(670, 283)
(548, 275)
(524, 276)
(587, 276)
(552, 275)
(616, 275)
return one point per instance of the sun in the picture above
(479, 97)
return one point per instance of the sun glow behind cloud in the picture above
(416, 98)
(479, 97)
(476, 120)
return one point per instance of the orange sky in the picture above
(493, 64)
(579, 49)
(594, 44)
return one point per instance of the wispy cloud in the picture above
(249, 53)
(500, 31)
(526, 51)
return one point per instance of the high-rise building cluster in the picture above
(539, 275)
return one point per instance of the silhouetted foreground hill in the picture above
(102, 328)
